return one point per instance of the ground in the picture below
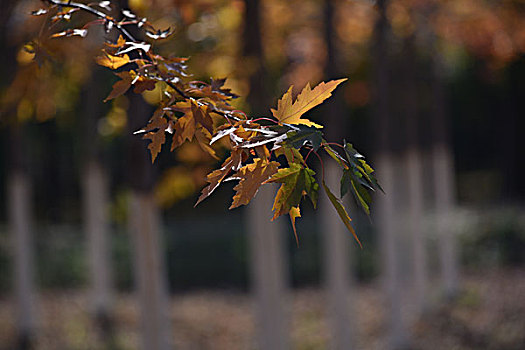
(488, 314)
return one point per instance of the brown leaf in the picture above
(202, 116)
(142, 84)
(204, 137)
(290, 113)
(121, 86)
(157, 135)
(185, 125)
(252, 176)
(232, 163)
(262, 152)
(196, 122)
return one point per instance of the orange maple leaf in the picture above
(252, 177)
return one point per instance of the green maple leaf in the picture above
(358, 177)
(296, 182)
(304, 135)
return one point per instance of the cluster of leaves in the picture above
(261, 150)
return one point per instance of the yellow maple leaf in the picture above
(112, 62)
(290, 113)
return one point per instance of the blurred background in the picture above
(99, 249)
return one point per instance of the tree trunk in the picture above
(414, 175)
(386, 204)
(95, 198)
(95, 195)
(337, 268)
(388, 226)
(268, 272)
(144, 228)
(415, 228)
(20, 229)
(150, 276)
(268, 259)
(444, 184)
(19, 198)
(337, 274)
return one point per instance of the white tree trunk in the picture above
(268, 272)
(20, 230)
(95, 207)
(444, 205)
(415, 213)
(337, 274)
(388, 222)
(150, 277)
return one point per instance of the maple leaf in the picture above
(121, 86)
(112, 62)
(359, 178)
(296, 182)
(142, 84)
(290, 113)
(185, 125)
(305, 135)
(204, 138)
(252, 176)
(232, 163)
(196, 122)
(201, 115)
(157, 133)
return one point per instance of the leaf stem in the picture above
(332, 144)
(264, 118)
(308, 154)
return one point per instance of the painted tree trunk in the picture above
(144, 227)
(268, 258)
(444, 204)
(337, 273)
(19, 198)
(95, 198)
(410, 108)
(385, 208)
(444, 183)
(20, 230)
(336, 257)
(416, 230)
(268, 272)
(389, 236)
(95, 202)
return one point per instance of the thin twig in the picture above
(95, 12)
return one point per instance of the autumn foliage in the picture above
(272, 149)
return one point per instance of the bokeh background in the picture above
(99, 249)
